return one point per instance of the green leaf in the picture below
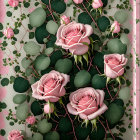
(4, 81)
(31, 35)
(85, 56)
(1, 26)
(9, 14)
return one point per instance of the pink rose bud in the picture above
(48, 108)
(15, 135)
(114, 65)
(97, 4)
(115, 27)
(66, 1)
(13, 3)
(87, 102)
(31, 120)
(65, 20)
(8, 32)
(21, 0)
(78, 1)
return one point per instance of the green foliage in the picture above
(98, 134)
(5, 82)
(84, 18)
(52, 136)
(82, 132)
(22, 111)
(98, 82)
(21, 85)
(103, 23)
(58, 6)
(43, 126)
(82, 79)
(65, 125)
(19, 98)
(41, 33)
(114, 113)
(63, 65)
(36, 108)
(37, 17)
(41, 62)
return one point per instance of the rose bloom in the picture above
(48, 108)
(77, 1)
(87, 103)
(15, 135)
(13, 3)
(65, 20)
(113, 65)
(31, 120)
(50, 87)
(115, 27)
(9, 33)
(73, 36)
(97, 4)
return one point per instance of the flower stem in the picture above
(71, 121)
(110, 130)
(91, 17)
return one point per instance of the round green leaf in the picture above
(37, 17)
(82, 79)
(84, 18)
(21, 85)
(31, 48)
(19, 98)
(98, 82)
(116, 46)
(63, 65)
(103, 23)
(42, 62)
(22, 111)
(52, 27)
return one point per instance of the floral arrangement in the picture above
(73, 83)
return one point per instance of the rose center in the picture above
(49, 85)
(87, 105)
(113, 61)
(73, 37)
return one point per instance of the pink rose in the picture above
(115, 27)
(48, 108)
(13, 3)
(113, 65)
(15, 135)
(31, 120)
(50, 87)
(66, 1)
(65, 20)
(8, 32)
(97, 4)
(78, 1)
(73, 36)
(87, 103)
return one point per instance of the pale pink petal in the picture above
(102, 94)
(100, 111)
(71, 110)
(79, 49)
(83, 116)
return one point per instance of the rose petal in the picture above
(100, 111)
(71, 110)
(83, 116)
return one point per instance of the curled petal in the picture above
(71, 109)
(100, 111)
